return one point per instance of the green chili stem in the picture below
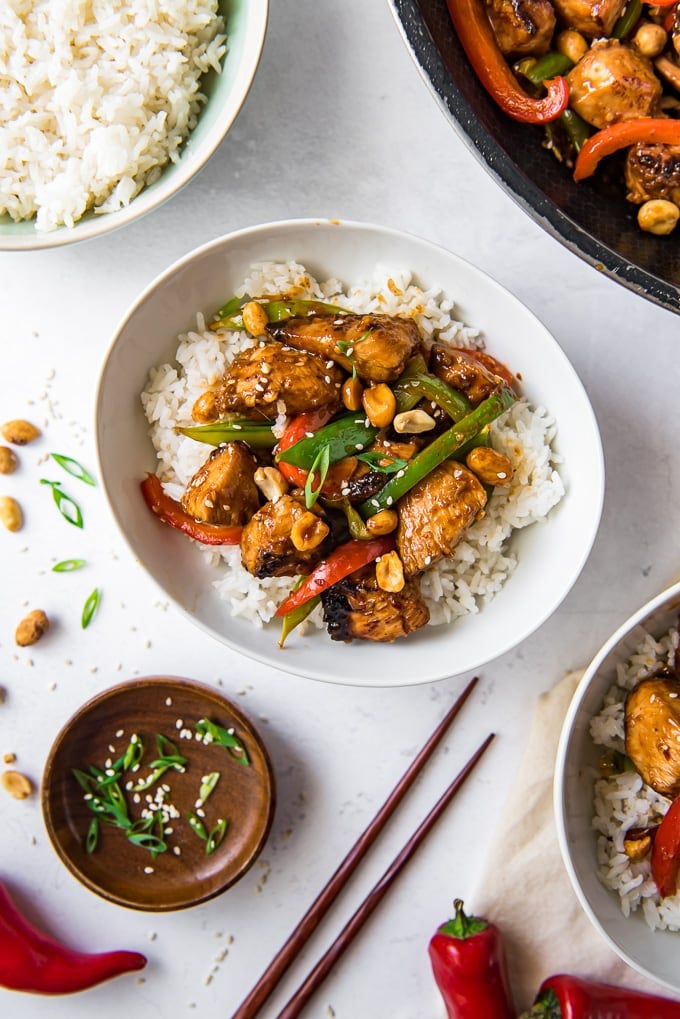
(257, 435)
(443, 447)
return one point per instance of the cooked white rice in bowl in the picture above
(622, 800)
(481, 563)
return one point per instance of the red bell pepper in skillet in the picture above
(469, 967)
(31, 961)
(298, 428)
(477, 38)
(173, 513)
(567, 997)
(622, 135)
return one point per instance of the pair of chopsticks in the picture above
(310, 921)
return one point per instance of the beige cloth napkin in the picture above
(525, 888)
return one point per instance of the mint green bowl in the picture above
(246, 23)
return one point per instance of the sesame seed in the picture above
(179, 724)
(120, 733)
(148, 870)
(168, 701)
(177, 851)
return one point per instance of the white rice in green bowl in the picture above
(623, 801)
(481, 563)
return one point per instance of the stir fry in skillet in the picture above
(602, 77)
(348, 455)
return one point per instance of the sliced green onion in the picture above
(216, 836)
(322, 462)
(69, 509)
(69, 565)
(376, 461)
(197, 826)
(92, 837)
(147, 840)
(89, 608)
(73, 468)
(213, 733)
(208, 784)
(134, 753)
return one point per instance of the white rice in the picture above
(97, 96)
(481, 563)
(624, 801)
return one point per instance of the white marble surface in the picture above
(340, 124)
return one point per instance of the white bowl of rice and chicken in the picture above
(109, 109)
(617, 786)
(348, 453)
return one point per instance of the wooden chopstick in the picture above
(318, 974)
(310, 921)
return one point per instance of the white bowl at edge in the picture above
(245, 27)
(652, 953)
(550, 554)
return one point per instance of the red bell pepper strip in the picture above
(477, 38)
(173, 513)
(32, 961)
(622, 135)
(568, 997)
(468, 962)
(345, 559)
(666, 851)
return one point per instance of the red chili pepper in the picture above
(666, 851)
(345, 559)
(468, 962)
(479, 42)
(173, 513)
(567, 997)
(31, 961)
(620, 136)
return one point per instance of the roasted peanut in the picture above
(490, 466)
(308, 532)
(413, 422)
(19, 432)
(379, 404)
(204, 410)
(352, 391)
(382, 522)
(571, 44)
(658, 216)
(16, 784)
(389, 572)
(10, 513)
(650, 39)
(31, 628)
(254, 318)
(9, 758)
(271, 483)
(8, 460)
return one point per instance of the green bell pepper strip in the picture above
(230, 317)
(444, 446)
(257, 435)
(416, 384)
(548, 66)
(627, 21)
(344, 436)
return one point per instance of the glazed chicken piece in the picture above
(378, 346)
(522, 27)
(592, 18)
(260, 377)
(267, 548)
(653, 171)
(435, 514)
(223, 491)
(613, 82)
(463, 372)
(357, 609)
(652, 716)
